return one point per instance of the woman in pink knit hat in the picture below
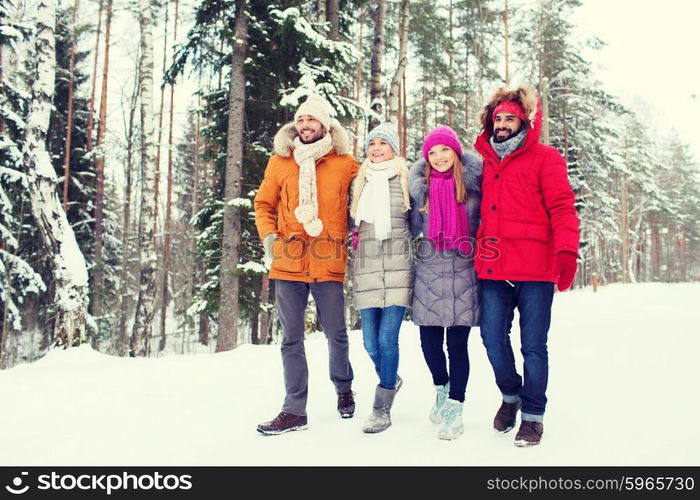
(445, 189)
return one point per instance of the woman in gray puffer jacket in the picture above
(382, 264)
(445, 190)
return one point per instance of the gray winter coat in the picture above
(446, 290)
(382, 271)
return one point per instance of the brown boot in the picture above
(284, 422)
(505, 417)
(529, 433)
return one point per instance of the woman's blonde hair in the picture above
(460, 188)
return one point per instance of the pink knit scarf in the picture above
(448, 225)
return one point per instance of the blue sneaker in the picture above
(452, 426)
(442, 391)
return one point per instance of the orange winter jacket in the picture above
(296, 255)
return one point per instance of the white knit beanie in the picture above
(317, 107)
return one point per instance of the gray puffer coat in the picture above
(382, 271)
(446, 290)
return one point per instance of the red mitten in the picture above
(565, 269)
(355, 240)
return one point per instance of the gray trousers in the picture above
(291, 298)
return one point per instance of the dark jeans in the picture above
(380, 334)
(533, 299)
(432, 339)
(291, 300)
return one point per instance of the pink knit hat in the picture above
(441, 135)
(512, 107)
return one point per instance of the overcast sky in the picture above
(649, 63)
(651, 57)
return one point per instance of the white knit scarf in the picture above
(306, 156)
(374, 205)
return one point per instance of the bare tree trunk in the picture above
(321, 10)
(67, 262)
(265, 306)
(69, 120)
(544, 91)
(400, 124)
(197, 271)
(334, 19)
(424, 109)
(394, 93)
(98, 276)
(450, 72)
(682, 258)
(358, 84)
(124, 295)
(624, 229)
(507, 44)
(566, 130)
(168, 207)
(466, 112)
(375, 90)
(204, 329)
(156, 191)
(404, 136)
(2, 123)
(655, 249)
(140, 337)
(228, 309)
(91, 112)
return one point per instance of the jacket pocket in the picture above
(288, 254)
(329, 251)
(525, 248)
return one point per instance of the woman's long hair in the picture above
(460, 188)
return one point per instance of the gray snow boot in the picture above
(399, 383)
(380, 419)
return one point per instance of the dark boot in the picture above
(284, 422)
(505, 417)
(529, 433)
(346, 404)
(380, 419)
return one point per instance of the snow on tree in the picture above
(145, 303)
(68, 265)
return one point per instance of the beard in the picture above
(313, 138)
(498, 139)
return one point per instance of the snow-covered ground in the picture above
(623, 391)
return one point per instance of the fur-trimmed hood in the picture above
(284, 139)
(523, 94)
(527, 97)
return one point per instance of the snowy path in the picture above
(623, 391)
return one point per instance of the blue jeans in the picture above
(534, 302)
(380, 334)
(432, 341)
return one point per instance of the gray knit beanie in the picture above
(387, 132)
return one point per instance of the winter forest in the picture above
(134, 135)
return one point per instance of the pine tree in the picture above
(289, 58)
(18, 278)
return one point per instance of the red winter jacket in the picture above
(527, 208)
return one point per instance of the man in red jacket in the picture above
(528, 241)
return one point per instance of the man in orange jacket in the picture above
(301, 215)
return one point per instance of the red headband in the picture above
(511, 107)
